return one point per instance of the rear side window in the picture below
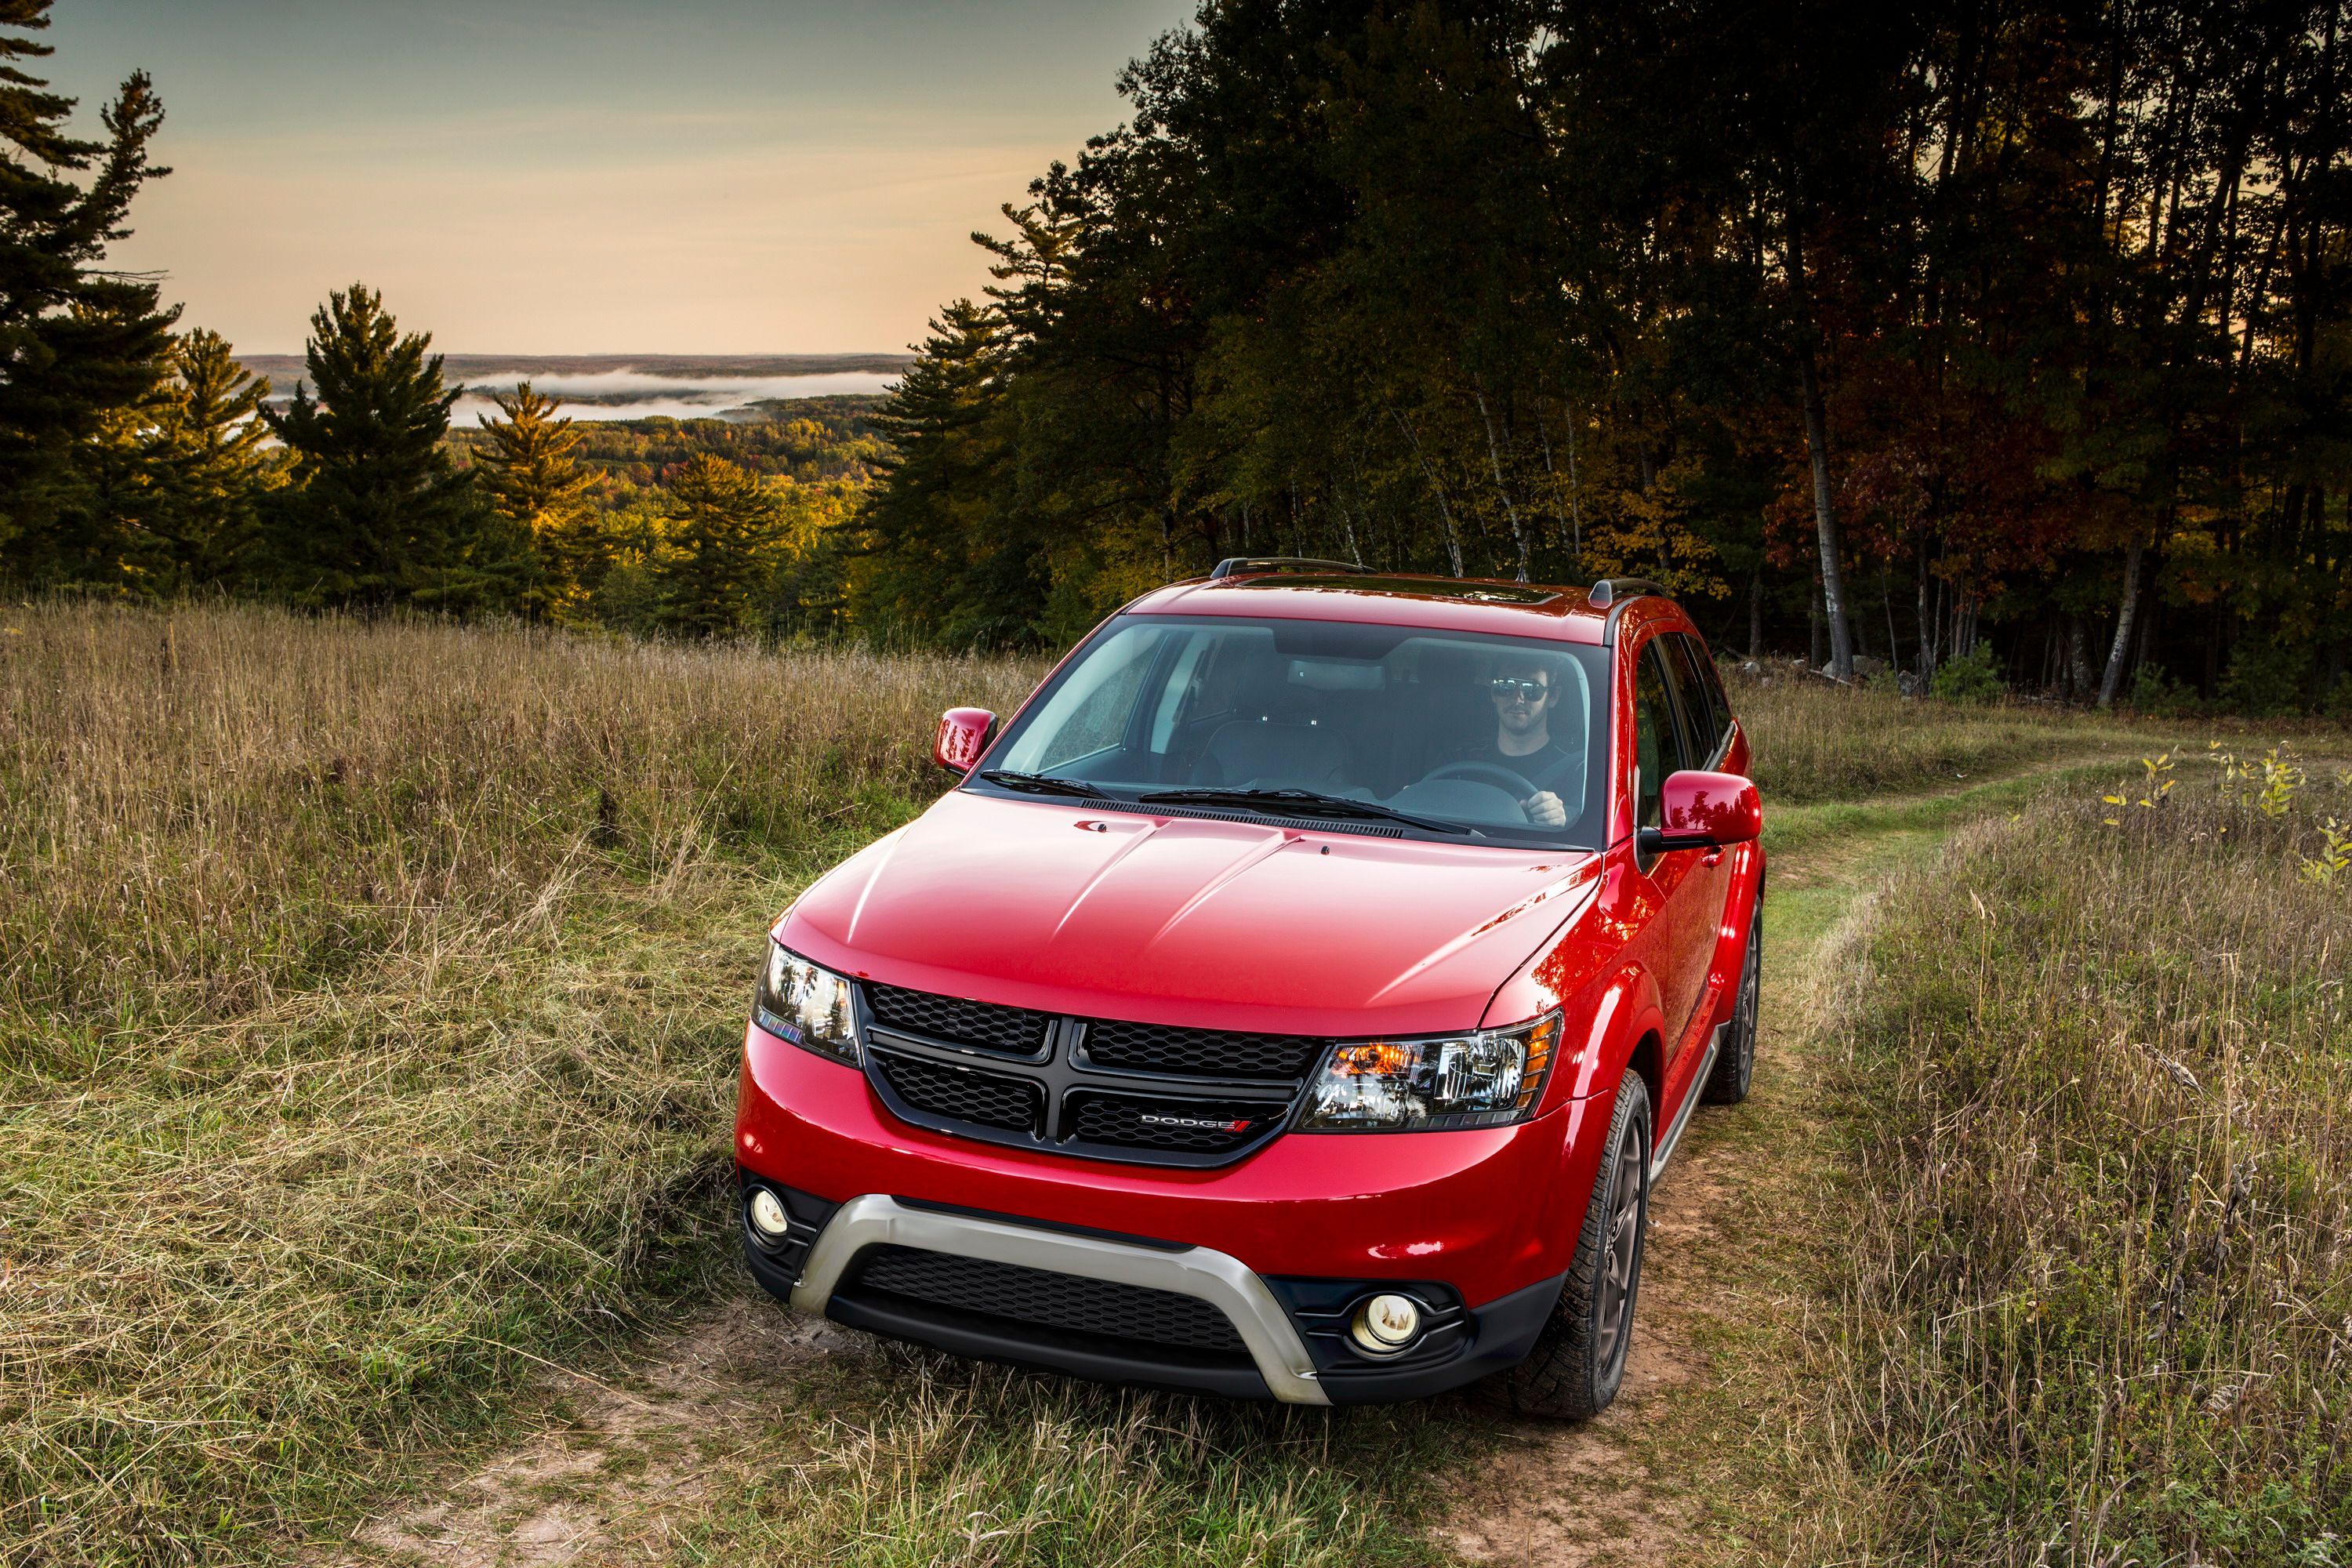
(1657, 746)
(1714, 678)
(1702, 710)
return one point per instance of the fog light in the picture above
(1386, 1324)
(768, 1216)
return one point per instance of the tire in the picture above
(1578, 1360)
(1727, 1084)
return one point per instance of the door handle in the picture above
(1712, 858)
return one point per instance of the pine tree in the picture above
(941, 556)
(535, 482)
(210, 470)
(77, 344)
(722, 544)
(377, 512)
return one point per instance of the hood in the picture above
(1231, 925)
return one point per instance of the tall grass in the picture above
(2096, 1264)
(369, 1000)
(209, 809)
(1814, 741)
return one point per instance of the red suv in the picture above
(1299, 996)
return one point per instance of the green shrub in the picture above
(1971, 678)
(2267, 678)
(2155, 692)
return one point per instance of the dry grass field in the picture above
(2095, 1295)
(1815, 743)
(370, 997)
(367, 1006)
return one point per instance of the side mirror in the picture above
(964, 733)
(1706, 811)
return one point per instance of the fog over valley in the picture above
(636, 387)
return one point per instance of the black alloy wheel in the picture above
(1620, 1258)
(1734, 1068)
(1578, 1360)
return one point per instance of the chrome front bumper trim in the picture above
(1221, 1281)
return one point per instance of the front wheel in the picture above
(1578, 1360)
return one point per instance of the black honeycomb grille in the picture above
(987, 1099)
(1190, 1125)
(1042, 1297)
(1198, 1053)
(1014, 1031)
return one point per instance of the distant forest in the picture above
(1950, 345)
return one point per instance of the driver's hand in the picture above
(1544, 809)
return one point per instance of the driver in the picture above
(1524, 690)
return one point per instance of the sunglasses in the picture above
(1507, 687)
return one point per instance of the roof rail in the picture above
(1234, 565)
(1609, 590)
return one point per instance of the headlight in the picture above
(805, 1005)
(1486, 1078)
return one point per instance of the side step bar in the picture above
(1666, 1148)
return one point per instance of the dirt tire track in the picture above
(614, 1461)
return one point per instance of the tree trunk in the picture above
(1756, 611)
(1575, 510)
(2078, 660)
(2126, 613)
(1817, 444)
(1817, 447)
(1813, 625)
(1452, 534)
(1495, 458)
(1929, 623)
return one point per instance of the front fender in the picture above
(1620, 1010)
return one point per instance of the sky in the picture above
(593, 176)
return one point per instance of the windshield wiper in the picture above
(1045, 783)
(1298, 802)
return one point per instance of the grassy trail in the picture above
(752, 1434)
(1689, 1465)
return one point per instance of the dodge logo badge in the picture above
(1202, 1123)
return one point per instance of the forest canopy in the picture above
(1916, 332)
(1953, 343)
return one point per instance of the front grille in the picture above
(1194, 1126)
(963, 1094)
(1043, 1298)
(1014, 1031)
(1099, 1089)
(1198, 1053)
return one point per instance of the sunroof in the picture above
(1419, 588)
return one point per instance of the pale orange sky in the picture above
(595, 176)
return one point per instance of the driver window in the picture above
(1657, 748)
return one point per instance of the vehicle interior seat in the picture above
(1280, 739)
(1452, 716)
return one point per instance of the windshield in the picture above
(1470, 737)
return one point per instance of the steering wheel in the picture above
(1519, 785)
